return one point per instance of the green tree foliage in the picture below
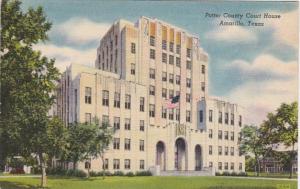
(27, 82)
(281, 127)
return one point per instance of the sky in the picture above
(255, 67)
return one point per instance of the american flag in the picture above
(173, 102)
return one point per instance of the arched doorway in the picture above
(198, 157)
(161, 155)
(181, 161)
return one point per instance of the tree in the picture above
(251, 144)
(27, 83)
(282, 129)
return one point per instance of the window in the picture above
(177, 61)
(152, 73)
(116, 123)
(116, 164)
(220, 165)
(178, 49)
(240, 120)
(105, 165)
(164, 57)
(177, 114)
(232, 119)
(117, 100)
(202, 86)
(152, 40)
(210, 116)
(127, 163)
(75, 104)
(188, 65)
(232, 151)
(142, 164)
(220, 150)
(226, 151)
(220, 117)
(171, 94)
(152, 110)
(105, 98)
(88, 95)
(232, 136)
(226, 118)
(240, 166)
(116, 143)
(171, 46)
(127, 101)
(116, 40)
(210, 133)
(88, 118)
(127, 124)
(171, 59)
(164, 113)
(87, 165)
(232, 166)
(188, 82)
(188, 97)
(177, 79)
(152, 54)
(210, 164)
(127, 144)
(171, 114)
(164, 44)
(171, 78)
(226, 165)
(142, 104)
(188, 53)
(151, 90)
(201, 116)
(164, 76)
(188, 116)
(203, 69)
(210, 150)
(142, 146)
(220, 134)
(132, 69)
(240, 136)
(142, 125)
(226, 135)
(164, 93)
(133, 48)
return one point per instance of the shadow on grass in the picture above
(16, 185)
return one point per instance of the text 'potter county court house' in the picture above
(150, 82)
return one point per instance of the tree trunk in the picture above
(43, 168)
(291, 161)
(257, 165)
(74, 165)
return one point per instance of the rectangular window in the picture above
(226, 118)
(188, 82)
(142, 104)
(188, 65)
(240, 166)
(177, 114)
(210, 150)
(202, 86)
(164, 44)
(232, 166)
(188, 97)
(171, 46)
(142, 125)
(220, 117)
(105, 98)
(201, 116)
(127, 124)
(152, 73)
(164, 93)
(171, 59)
(127, 101)
(220, 150)
(152, 41)
(116, 163)
(127, 163)
(240, 120)
(164, 113)
(152, 110)
(116, 123)
(220, 165)
(133, 48)
(210, 164)
(210, 133)
(171, 114)
(127, 144)
(226, 165)
(188, 53)
(232, 119)
(232, 136)
(210, 116)
(151, 90)
(226, 151)
(152, 54)
(203, 69)
(142, 164)
(177, 79)
(164, 57)
(171, 78)
(117, 100)
(178, 49)
(132, 69)
(171, 94)
(232, 151)
(220, 134)
(88, 118)
(88, 95)
(164, 76)
(116, 143)
(226, 135)
(177, 61)
(188, 116)
(105, 118)
(142, 145)
(105, 165)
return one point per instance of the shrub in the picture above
(226, 173)
(143, 173)
(233, 173)
(118, 173)
(76, 173)
(93, 174)
(17, 171)
(56, 171)
(242, 174)
(218, 174)
(107, 173)
(129, 174)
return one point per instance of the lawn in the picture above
(272, 175)
(148, 183)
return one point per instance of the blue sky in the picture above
(252, 66)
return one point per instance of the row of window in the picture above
(116, 164)
(226, 167)
(220, 117)
(172, 59)
(220, 134)
(105, 65)
(220, 150)
(127, 144)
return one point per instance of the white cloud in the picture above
(262, 96)
(231, 34)
(81, 30)
(64, 56)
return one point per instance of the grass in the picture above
(148, 183)
(272, 175)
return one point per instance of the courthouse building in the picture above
(139, 69)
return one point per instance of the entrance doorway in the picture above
(198, 157)
(181, 161)
(161, 155)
